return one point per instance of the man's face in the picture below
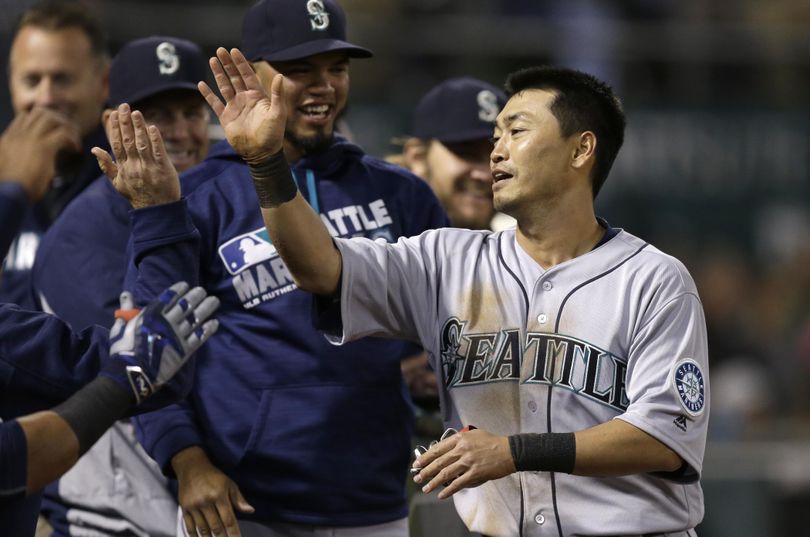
(459, 175)
(530, 160)
(182, 118)
(56, 69)
(316, 89)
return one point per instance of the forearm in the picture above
(55, 439)
(617, 448)
(305, 245)
(52, 448)
(296, 231)
(610, 449)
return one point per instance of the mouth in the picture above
(316, 112)
(500, 175)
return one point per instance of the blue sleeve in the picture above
(13, 461)
(164, 249)
(13, 204)
(42, 360)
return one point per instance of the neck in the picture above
(557, 232)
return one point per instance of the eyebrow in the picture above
(511, 118)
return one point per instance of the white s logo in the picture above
(169, 60)
(487, 106)
(318, 16)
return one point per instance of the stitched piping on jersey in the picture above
(509, 270)
(312, 192)
(551, 386)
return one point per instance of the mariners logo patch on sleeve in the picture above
(690, 385)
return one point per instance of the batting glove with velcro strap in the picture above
(151, 348)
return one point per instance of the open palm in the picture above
(253, 121)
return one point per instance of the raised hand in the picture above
(149, 349)
(142, 171)
(253, 122)
(29, 146)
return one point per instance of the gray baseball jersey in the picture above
(617, 333)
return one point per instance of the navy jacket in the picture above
(15, 284)
(311, 433)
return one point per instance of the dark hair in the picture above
(55, 15)
(583, 103)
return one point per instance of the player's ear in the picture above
(415, 152)
(584, 151)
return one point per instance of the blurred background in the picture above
(715, 170)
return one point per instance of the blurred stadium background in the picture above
(715, 170)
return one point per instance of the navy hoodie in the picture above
(311, 433)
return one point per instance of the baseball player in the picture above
(450, 146)
(295, 435)
(58, 63)
(88, 243)
(576, 349)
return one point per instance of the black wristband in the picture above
(273, 181)
(546, 452)
(93, 409)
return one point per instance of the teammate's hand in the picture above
(464, 460)
(29, 146)
(149, 350)
(142, 171)
(207, 496)
(253, 122)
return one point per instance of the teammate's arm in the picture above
(254, 125)
(614, 448)
(40, 447)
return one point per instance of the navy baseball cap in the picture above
(151, 65)
(458, 110)
(282, 30)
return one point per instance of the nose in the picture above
(321, 81)
(45, 95)
(499, 153)
(176, 129)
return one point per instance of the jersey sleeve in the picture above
(667, 380)
(13, 461)
(386, 289)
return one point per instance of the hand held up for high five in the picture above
(142, 171)
(253, 121)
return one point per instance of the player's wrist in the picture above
(93, 409)
(188, 460)
(545, 452)
(273, 180)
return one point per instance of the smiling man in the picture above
(315, 437)
(87, 244)
(450, 147)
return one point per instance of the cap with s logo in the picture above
(458, 110)
(282, 30)
(151, 65)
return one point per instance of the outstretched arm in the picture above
(149, 350)
(254, 124)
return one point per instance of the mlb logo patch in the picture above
(245, 250)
